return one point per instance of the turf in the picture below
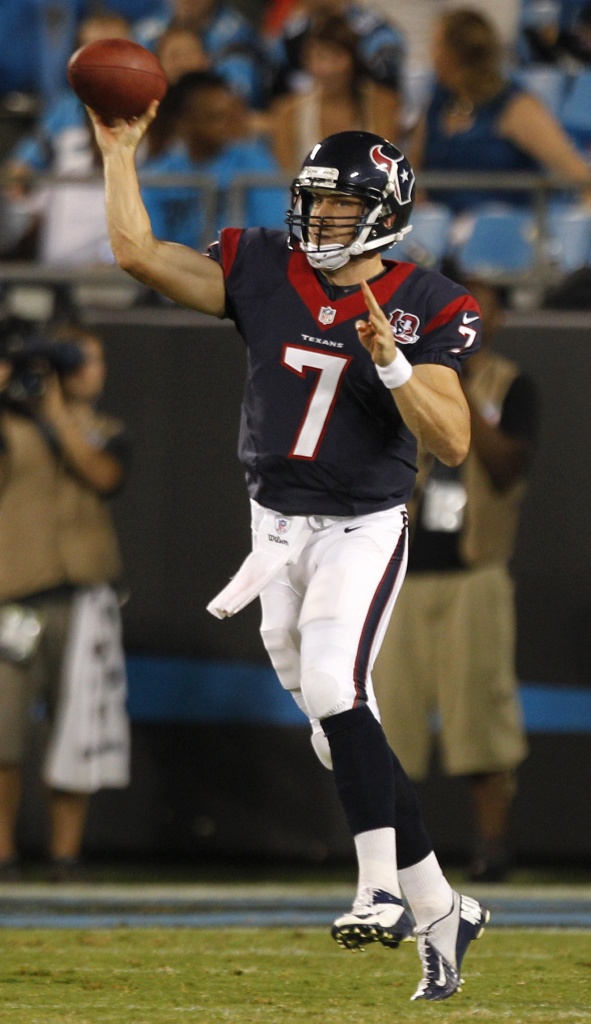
(271, 976)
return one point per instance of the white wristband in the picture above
(396, 373)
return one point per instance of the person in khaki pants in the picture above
(449, 653)
(59, 618)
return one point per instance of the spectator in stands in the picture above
(209, 135)
(479, 120)
(450, 647)
(38, 36)
(275, 15)
(179, 51)
(64, 222)
(577, 41)
(229, 39)
(339, 96)
(134, 10)
(60, 459)
(559, 38)
(36, 39)
(381, 43)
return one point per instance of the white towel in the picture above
(279, 540)
(90, 745)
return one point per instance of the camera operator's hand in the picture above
(97, 468)
(51, 405)
(5, 373)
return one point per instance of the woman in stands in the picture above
(477, 119)
(338, 95)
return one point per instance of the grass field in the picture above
(264, 976)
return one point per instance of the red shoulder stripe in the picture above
(446, 315)
(229, 239)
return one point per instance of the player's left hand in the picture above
(375, 333)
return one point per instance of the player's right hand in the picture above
(117, 135)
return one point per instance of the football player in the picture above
(351, 358)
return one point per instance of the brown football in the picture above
(116, 77)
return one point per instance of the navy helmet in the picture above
(356, 164)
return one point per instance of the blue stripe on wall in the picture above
(556, 708)
(194, 690)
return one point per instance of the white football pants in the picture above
(324, 618)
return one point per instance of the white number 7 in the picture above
(322, 398)
(469, 334)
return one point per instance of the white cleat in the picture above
(376, 916)
(443, 944)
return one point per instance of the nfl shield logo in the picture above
(282, 524)
(326, 314)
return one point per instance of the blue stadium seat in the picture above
(417, 85)
(575, 110)
(501, 242)
(428, 241)
(569, 243)
(549, 84)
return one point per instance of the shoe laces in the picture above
(431, 959)
(424, 948)
(363, 899)
(428, 972)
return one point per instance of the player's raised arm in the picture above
(429, 397)
(180, 273)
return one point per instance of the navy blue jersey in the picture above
(320, 434)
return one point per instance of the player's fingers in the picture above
(102, 122)
(370, 300)
(379, 326)
(377, 316)
(365, 332)
(139, 125)
(96, 118)
(149, 115)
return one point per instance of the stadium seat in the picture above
(549, 84)
(499, 243)
(569, 242)
(417, 84)
(575, 110)
(428, 241)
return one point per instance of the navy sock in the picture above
(374, 790)
(412, 840)
(363, 769)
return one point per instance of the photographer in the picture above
(60, 634)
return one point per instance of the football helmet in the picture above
(355, 164)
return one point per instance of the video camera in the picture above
(33, 358)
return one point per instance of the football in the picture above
(116, 78)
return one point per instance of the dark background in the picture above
(203, 789)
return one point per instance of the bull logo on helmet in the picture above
(400, 181)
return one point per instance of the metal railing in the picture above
(542, 188)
